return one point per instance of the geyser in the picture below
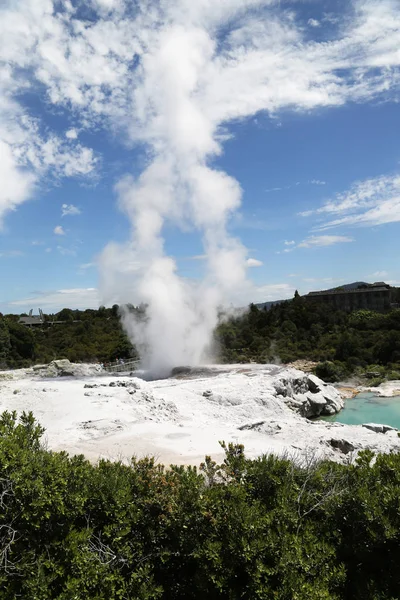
(177, 187)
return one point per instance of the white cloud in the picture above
(71, 134)
(58, 230)
(317, 182)
(37, 243)
(253, 262)
(69, 210)
(86, 266)
(370, 202)
(199, 257)
(314, 23)
(53, 301)
(316, 241)
(289, 243)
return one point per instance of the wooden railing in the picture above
(121, 366)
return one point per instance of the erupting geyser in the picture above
(177, 187)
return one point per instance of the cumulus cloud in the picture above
(69, 210)
(71, 134)
(58, 230)
(253, 262)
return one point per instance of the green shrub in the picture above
(244, 529)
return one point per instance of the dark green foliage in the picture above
(81, 336)
(298, 329)
(344, 343)
(5, 344)
(245, 529)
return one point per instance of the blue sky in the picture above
(296, 101)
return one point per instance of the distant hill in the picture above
(349, 286)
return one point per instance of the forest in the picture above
(342, 343)
(244, 529)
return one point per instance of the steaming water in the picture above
(368, 408)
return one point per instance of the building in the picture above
(32, 320)
(378, 296)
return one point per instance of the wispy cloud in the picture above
(67, 251)
(318, 241)
(59, 230)
(198, 257)
(315, 241)
(380, 274)
(69, 210)
(295, 185)
(273, 291)
(56, 300)
(370, 202)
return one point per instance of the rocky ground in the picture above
(268, 408)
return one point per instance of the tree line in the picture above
(82, 336)
(343, 343)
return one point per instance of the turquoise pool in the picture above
(368, 408)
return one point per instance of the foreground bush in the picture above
(246, 529)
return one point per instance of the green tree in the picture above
(5, 343)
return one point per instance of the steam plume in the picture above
(179, 186)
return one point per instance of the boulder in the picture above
(314, 383)
(343, 445)
(307, 394)
(64, 367)
(313, 405)
(378, 428)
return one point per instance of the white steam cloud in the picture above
(177, 184)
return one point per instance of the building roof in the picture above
(30, 320)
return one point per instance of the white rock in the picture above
(255, 405)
